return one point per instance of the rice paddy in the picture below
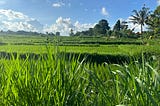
(57, 79)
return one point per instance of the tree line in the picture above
(140, 17)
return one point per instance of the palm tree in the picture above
(140, 17)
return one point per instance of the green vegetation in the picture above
(88, 76)
(97, 67)
(55, 81)
(99, 45)
(140, 17)
(154, 22)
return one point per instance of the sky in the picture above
(64, 15)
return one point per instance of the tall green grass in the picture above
(66, 81)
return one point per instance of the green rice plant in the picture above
(136, 83)
(64, 80)
(50, 80)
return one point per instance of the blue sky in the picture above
(62, 15)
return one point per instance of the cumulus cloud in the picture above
(82, 27)
(64, 25)
(13, 15)
(13, 20)
(58, 4)
(104, 11)
(158, 2)
(15, 26)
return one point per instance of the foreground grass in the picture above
(51, 80)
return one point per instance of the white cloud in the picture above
(15, 26)
(36, 24)
(64, 25)
(58, 4)
(13, 15)
(13, 20)
(158, 2)
(104, 11)
(82, 27)
(135, 27)
(61, 25)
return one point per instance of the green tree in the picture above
(90, 32)
(71, 32)
(154, 21)
(99, 30)
(101, 27)
(140, 17)
(77, 33)
(117, 26)
(120, 28)
(57, 33)
(124, 25)
(104, 24)
(110, 32)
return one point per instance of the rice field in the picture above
(52, 81)
(66, 80)
(90, 45)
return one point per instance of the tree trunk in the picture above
(141, 33)
(141, 29)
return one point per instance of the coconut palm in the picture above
(140, 17)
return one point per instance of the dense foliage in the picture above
(154, 22)
(142, 17)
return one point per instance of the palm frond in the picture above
(140, 17)
(136, 13)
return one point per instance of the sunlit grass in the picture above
(59, 80)
(102, 49)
